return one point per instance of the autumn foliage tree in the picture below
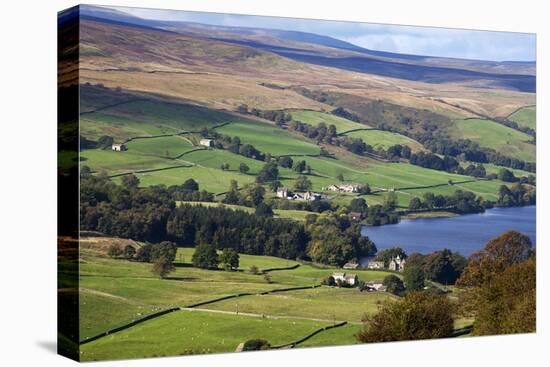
(419, 315)
(500, 286)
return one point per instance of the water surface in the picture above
(465, 233)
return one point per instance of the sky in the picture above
(426, 41)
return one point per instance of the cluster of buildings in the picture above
(283, 193)
(396, 264)
(344, 188)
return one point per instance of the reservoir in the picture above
(464, 234)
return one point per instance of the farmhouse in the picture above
(118, 147)
(397, 264)
(343, 278)
(206, 142)
(375, 286)
(355, 216)
(375, 265)
(351, 265)
(307, 196)
(344, 188)
(282, 192)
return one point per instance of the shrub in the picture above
(256, 344)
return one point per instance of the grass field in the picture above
(193, 332)
(268, 138)
(279, 213)
(526, 117)
(168, 147)
(112, 162)
(380, 175)
(385, 139)
(115, 292)
(324, 303)
(315, 117)
(184, 256)
(503, 139)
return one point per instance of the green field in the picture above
(324, 303)
(380, 175)
(526, 117)
(268, 138)
(184, 256)
(168, 146)
(385, 139)
(315, 117)
(503, 139)
(112, 162)
(115, 292)
(193, 332)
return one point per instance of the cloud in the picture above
(428, 41)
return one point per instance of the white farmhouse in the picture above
(343, 278)
(118, 147)
(206, 142)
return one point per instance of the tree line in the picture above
(150, 214)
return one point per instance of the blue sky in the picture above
(468, 44)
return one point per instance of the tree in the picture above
(419, 315)
(506, 175)
(499, 283)
(300, 166)
(254, 269)
(500, 253)
(130, 181)
(340, 177)
(162, 267)
(164, 249)
(243, 168)
(358, 205)
(232, 196)
(114, 251)
(225, 167)
(507, 304)
(263, 210)
(205, 256)
(415, 204)
(229, 258)
(302, 183)
(144, 253)
(443, 266)
(267, 278)
(256, 344)
(129, 252)
(191, 185)
(394, 284)
(286, 162)
(269, 172)
(413, 277)
(390, 201)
